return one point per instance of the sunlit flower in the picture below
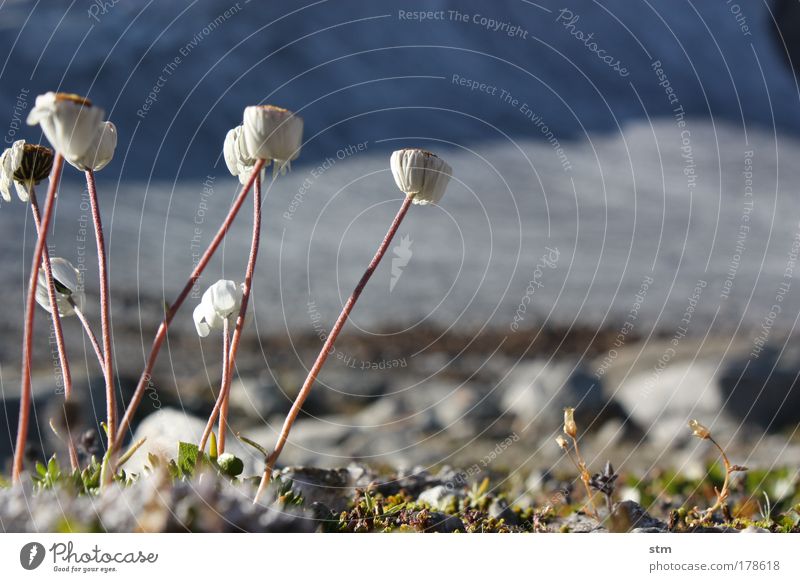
(237, 159)
(219, 302)
(25, 165)
(75, 128)
(272, 133)
(699, 430)
(420, 174)
(570, 428)
(66, 280)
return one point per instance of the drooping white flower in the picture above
(219, 302)
(66, 280)
(420, 174)
(101, 150)
(239, 162)
(272, 133)
(24, 165)
(75, 128)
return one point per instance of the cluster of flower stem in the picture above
(268, 135)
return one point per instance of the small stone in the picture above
(439, 497)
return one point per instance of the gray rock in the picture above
(439, 497)
(167, 427)
(754, 529)
(629, 515)
(257, 398)
(536, 393)
(443, 523)
(333, 488)
(499, 509)
(580, 523)
(764, 391)
(663, 402)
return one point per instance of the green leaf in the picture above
(188, 454)
(253, 444)
(41, 469)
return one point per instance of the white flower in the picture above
(75, 128)
(421, 175)
(236, 157)
(66, 280)
(25, 165)
(218, 303)
(272, 133)
(101, 151)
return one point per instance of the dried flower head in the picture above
(562, 443)
(699, 430)
(420, 174)
(604, 482)
(570, 428)
(25, 165)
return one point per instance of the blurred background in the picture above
(621, 233)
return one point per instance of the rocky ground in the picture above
(358, 499)
(401, 420)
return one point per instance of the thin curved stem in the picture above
(30, 306)
(88, 330)
(55, 316)
(248, 287)
(105, 315)
(51, 292)
(327, 347)
(161, 334)
(585, 478)
(722, 494)
(226, 346)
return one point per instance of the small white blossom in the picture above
(273, 134)
(75, 128)
(236, 157)
(66, 280)
(219, 302)
(420, 174)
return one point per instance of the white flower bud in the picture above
(218, 303)
(236, 157)
(420, 174)
(273, 134)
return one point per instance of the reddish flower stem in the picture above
(66, 375)
(51, 292)
(105, 315)
(237, 332)
(226, 347)
(89, 333)
(30, 306)
(161, 334)
(221, 405)
(327, 347)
